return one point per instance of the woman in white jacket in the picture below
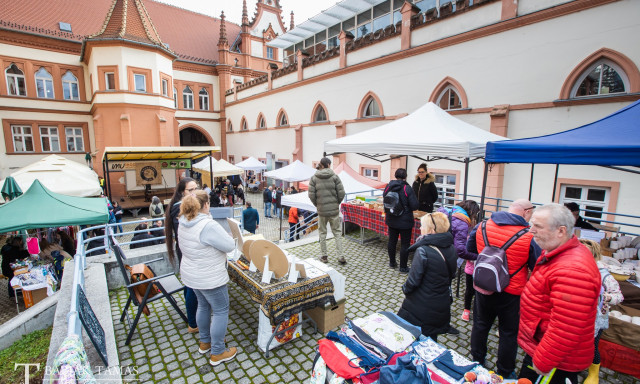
(204, 244)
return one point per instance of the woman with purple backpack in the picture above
(464, 216)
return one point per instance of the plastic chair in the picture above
(168, 284)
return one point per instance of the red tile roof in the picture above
(192, 36)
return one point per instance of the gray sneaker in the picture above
(342, 260)
(324, 259)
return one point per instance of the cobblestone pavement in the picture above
(163, 352)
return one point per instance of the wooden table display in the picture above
(279, 299)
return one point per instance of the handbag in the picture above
(141, 272)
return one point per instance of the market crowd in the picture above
(523, 267)
(546, 294)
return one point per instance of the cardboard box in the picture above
(32, 298)
(328, 317)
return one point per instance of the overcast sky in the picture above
(302, 9)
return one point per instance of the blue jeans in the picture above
(267, 209)
(191, 302)
(275, 209)
(216, 300)
(118, 227)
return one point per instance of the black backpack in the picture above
(393, 203)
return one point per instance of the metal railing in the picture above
(74, 326)
(496, 204)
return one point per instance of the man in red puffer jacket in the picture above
(559, 302)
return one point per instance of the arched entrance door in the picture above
(191, 137)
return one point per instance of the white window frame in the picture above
(137, 76)
(187, 97)
(203, 99)
(316, 118)
(44, 84)
(108, 84)
(165, 87)
(448, 188)
(67, 84)
(51, 137)
(175, 97)
(262, 124)
(616, 67)
(270, 53)
(245, 126)
(283, 121)
(370, 173)
(445, 92)
(230, 127)
(14, 79)
(23, 136)
(583, 201)
(72, 133)
(366, 113)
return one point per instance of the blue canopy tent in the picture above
(612, 141)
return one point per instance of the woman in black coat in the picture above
(427, 302)
(403, 224)
(425, 189)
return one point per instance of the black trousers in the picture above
(405, 241)
(559, 377)
(596, 341)
(469, 292)
(506, 307)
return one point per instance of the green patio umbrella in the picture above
(11, 189)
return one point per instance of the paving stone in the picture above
(159, 375)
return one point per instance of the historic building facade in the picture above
(80, 76)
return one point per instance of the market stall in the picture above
(429, 133)
(368, 216)
(38, 207)
(296, 171)
(393, 351)
(252, 165)
(59, 175)
(613, 142)
(284, 286)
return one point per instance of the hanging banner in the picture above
(119, 166)
(148, 173)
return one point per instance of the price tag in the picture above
(293, 274)
(266, 274)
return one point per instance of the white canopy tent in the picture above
(351, 186)
(221, 168)
(296, 171)
(429, 133)
(251, 164)
(59, 175)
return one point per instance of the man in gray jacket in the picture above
(326, 193)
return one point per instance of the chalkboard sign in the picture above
(92, 325)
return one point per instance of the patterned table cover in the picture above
(280, 298)
(372, 219)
